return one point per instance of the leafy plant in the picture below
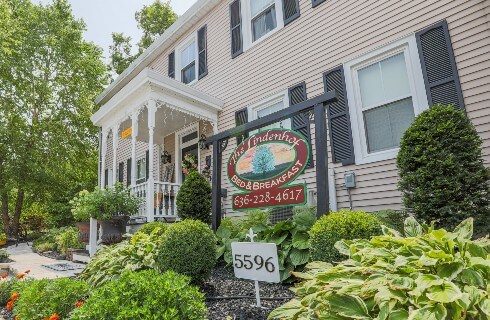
(336, 226)
(291, 237)
(428, 275)
(194, 198)
(3, 237)
(39, 299)
(392, 218)
(83, 205)
(442, 175)
(110, 262)
(68, 239)
(114, 201)
(8, 286)
(144, 295)
(4, 256)
(189, 248)
(149, 228)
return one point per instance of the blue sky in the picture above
(106, 16)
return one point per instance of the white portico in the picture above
(146, 129)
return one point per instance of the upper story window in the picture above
(386, 91)
(188, 62)
(264, 20)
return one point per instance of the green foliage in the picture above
(104, 204)
(49, 78)
(151, 227)
(189, 248)
(4, 256)
(291, 237)
(59, 240)
(442, 176)
(9, 286)
(83, 206)
(35, 218)
(340, 225)
(392, 219)
(194, 198)
(430, 275)
(110, 262)
(144, 295)
(39, 299)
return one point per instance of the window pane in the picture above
(264, 23)
(189, 73)
(385, 125)
(257, 6)
(269, 110)
(188, 54)
(370, 85)
(395, 78)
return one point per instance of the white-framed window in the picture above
(268, 106)
(385, 89)
(261, 18)
(141, 170)
(186, 60)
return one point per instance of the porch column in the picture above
(103, 157)
(115, 141)
(150, 194)
(134, 134)
(92, 245)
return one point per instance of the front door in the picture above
(187, 143)
(192, 149)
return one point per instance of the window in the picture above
(386, 91)
(268, 106)
(141, 170)
(188, 63)
(263, 17)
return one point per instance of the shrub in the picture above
(113, 201)
(83, 205)
(4, 256)
(431, 274)
(340, 225)
(8, 286)
(150, 227)
(392, 219)
(34, 218)
(40, 299)
(109, 263)
(189, 248)
(194, 198)
(442, 176)
(68, 239)
(144, 295)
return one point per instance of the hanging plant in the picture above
(189, 163)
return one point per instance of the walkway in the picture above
(25, 259)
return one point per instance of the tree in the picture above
(263, 160)
(49, 79)
(153, 20)
(442, 176)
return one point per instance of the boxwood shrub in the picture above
(144, 295)
(442, 176)
(40, 299)
(194, 198)
(337, 226)
(150, 227)
(189, 248)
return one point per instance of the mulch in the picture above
(223, 284)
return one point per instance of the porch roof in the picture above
(149, 84)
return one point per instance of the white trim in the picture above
(247, 32)
(193, 127)
(268, 102)
(419, 98)
(178, 52)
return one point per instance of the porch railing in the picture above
(160, 205)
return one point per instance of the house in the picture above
(225, 63)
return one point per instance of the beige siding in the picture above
(329, 35)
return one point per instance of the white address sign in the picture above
(256, 261)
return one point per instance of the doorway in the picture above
(186, 143)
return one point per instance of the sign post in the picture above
(255, 261)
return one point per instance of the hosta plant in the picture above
(427, 275)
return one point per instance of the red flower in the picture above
(79, 303)
(10, 305)
(15, 296)
(20, 276)
(55, 316)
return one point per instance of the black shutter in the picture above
(128, 172)
(120, 177)
(236, 29)
(147, 164)
(301, 122)
(314, 3)
(171, 65)
(291, 10)
(339, 118)
(241, 117)
(202, 44)
(438, 66)
(106, 178)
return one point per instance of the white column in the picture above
(92, 245)
(115, 141)
(104, 152)
(150, 191)
(134, 134)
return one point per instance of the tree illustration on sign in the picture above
(263, 160)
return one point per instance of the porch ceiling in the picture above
(174, 99)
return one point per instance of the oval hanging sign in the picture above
(264, 165)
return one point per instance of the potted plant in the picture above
(82, 206)
(114, 207)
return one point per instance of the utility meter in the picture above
(350, 180)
